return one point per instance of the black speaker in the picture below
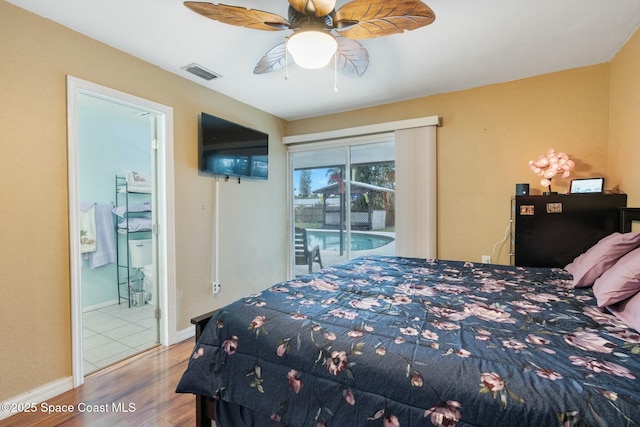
(522, 189)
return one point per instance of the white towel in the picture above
(140, 207)
(105, 252)
(136, 183)
(136, 224)
(87, 227)
(136, 179)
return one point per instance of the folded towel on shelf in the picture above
(135, 224)
(140, 207)
(137, 182)
(105, 252)
(87, 220)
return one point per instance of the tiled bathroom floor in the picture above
(116, 332)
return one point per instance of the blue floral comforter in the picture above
(390, 341)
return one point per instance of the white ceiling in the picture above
(471, 43)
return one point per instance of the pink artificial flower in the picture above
(550, 164)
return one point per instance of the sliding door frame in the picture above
(343, 143)
(368, 134)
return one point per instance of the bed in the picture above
(392, 341)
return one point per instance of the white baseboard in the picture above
(185, 334)
(101, 305)
(38, 394)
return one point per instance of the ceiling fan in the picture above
(320, 32)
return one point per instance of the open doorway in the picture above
(120, 187)
(116, 192)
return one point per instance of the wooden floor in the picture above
(137, 392)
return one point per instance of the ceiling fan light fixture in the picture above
(312, 49)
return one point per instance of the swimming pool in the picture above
(330, 240)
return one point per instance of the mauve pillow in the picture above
(628, 311)
(620, 281)
(586, 268)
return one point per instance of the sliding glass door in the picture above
(343, 202)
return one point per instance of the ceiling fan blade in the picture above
(239, 16)
(273, 60)
(363, 19)
(316, 8)
(353, 58)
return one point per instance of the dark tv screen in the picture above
(230, 149)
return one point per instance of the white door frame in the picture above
(166, 226)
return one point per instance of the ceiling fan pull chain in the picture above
(335, 72)
(286, 63)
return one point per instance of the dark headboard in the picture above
(627, 217)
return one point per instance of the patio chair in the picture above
(304, 255)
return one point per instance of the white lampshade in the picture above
(312, 49)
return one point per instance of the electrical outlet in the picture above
(216, 287)
(486, 259)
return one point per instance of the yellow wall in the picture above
(624, 120)
(35, 326)
(489, 134)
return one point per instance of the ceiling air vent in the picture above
(200, 71)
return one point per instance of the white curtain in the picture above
(416, 192)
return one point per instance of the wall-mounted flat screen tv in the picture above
(229, 149)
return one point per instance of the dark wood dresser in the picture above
(550, 231)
